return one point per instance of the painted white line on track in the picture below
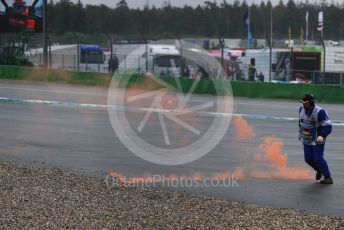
(53, 91)
(128, 108)
(105, 94)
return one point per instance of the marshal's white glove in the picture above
(320, 139)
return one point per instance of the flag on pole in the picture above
(247, 27)
(320, 22)
(246, 18)
(289, 37)
(307, 26)
(307, 16)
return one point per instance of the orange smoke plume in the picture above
(272, 151)
(243, 130)
(120, 177)
(277, 162)
(271, 154)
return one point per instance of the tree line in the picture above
(210, 20)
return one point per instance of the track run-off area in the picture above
(69, 127)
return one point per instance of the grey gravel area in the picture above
(55, 199)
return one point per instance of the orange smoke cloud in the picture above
(277, 162)
(243, 130)
(239, 173)
(272, 151)
(120, 177)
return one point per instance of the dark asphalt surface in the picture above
(82, 140)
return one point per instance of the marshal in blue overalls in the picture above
(314, 127)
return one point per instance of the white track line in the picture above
(127, 108)
(105, 94)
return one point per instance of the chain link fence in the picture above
(166, 60)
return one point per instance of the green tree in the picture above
(211, 19)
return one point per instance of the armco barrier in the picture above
(323, 93)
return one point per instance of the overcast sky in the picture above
(159, 3)
(141, 3)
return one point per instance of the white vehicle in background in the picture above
(164, 60)
(289, 43)
(152, 59)
(333, 43)
(228, 54)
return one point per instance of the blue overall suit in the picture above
(311, 125)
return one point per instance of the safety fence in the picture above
(254, 66)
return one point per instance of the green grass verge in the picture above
(59, 76)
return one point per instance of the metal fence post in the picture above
(125, 63)
(98, 64)
(324, 59)
(63, 61)
(50, 61)
(86, 55)
(45, 34)
(74, 62)
(153, 66)
(78, 56)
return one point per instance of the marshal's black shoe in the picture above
(327, 180)
(318, 175)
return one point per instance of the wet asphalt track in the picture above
(82, 139)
